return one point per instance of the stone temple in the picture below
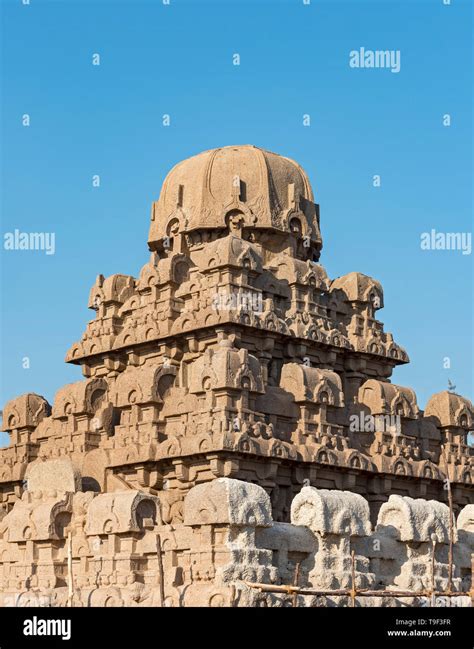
(235, 423)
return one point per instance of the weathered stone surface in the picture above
(408, 533)
(26, 411)
(449, 409)
(331, 512)
(120, 512)
(228, 374)
(59, 475)
(466, 519)
(184, 206)
(384, 398)
(34, 517)
(312, 384)
(415, 520)
(230, 502)
(208, 557)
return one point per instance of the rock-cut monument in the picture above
(235, 422)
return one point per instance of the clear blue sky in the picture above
(177, 59)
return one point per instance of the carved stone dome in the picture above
(450, 409)
(236, 188)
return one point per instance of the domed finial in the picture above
(242, 190)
